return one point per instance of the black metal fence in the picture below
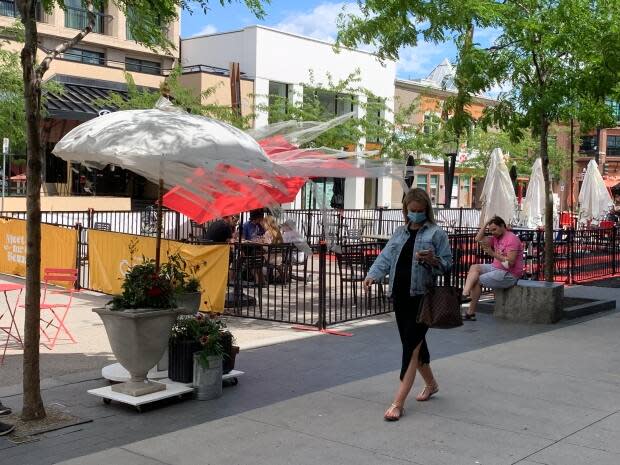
(324, 286)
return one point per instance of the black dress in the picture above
(406, 308)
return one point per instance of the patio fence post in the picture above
(460, 217)
(309, 226)
(177, 226)
(380, 227)
(613, 250)
(91, 215)
(78, 256)
(322, 320)
(571, 255)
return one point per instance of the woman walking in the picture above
(413, 257)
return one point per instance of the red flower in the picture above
(204, 340)
(154, 292)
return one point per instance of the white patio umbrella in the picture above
(167, 145)
(594, 199)
(533, 213)
(498, 194)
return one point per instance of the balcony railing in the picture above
(9, 8)
(77, 18)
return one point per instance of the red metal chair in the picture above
(58, 311)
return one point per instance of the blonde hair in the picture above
(271, 226)
(418, 195)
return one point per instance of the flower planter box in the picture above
(181, 360)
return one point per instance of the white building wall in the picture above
(266, 55)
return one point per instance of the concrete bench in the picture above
(530, 302)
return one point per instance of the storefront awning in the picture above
(79, 101)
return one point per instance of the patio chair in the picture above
(103, 226)
(54, 314)
(352, 268)
(279, 263)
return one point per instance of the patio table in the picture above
(12, 331)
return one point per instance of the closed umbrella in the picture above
(498, 195)
(594, 199)
(534, 203)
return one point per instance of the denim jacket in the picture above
(429, 237)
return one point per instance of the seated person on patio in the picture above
(290, 235)
(221, 230)
(253, 228)
(506, 269)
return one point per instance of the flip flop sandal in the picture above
(427, 393)
(401, 412)
(468, 317)
(465, 299)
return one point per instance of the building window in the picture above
(332, 103)
(434, 193)
(76, 16)
(615, 110)
(613, 146)
(142, 66)
(132, 16)
(466, 186)
(422, 181)
(454, 201)
(84, 56)
(278, 99)
(431, 123)
(587, 143)
(9, 8)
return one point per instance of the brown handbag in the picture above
(441, 307)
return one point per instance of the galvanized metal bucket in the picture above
(208, 381)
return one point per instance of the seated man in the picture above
(253, 228)
(221, 230)
(506, 269)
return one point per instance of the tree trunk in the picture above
(544, 157)
(33, 403)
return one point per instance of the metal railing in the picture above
(77, 18)
(325, 286)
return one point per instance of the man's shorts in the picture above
(495, 278)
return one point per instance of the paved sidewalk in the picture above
(509, 394)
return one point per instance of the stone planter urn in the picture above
(190, 301)
(138, 338)
(208, 381)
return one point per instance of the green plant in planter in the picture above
(207, 330)
(144, 288)
(181, 274)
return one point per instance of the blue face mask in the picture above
(417, 217)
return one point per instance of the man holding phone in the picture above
(507, 267)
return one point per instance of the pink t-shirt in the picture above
(507, 243)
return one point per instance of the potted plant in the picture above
(182, 346)
(138, 324)
(208, 361)
(184, 281)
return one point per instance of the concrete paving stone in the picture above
(564, 453)
(537, 384)
(115, 457)
(544, 353)
(603, 435)
(254, 443)
(420, 437)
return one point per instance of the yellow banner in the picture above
(111, 254)
(58, 247)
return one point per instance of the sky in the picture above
(317, 19)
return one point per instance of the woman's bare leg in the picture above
(404, 388)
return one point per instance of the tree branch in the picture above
(45, 64)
